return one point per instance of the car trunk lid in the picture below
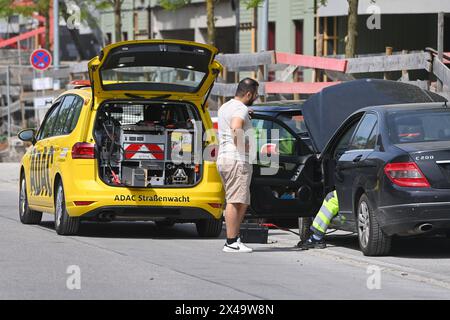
(161, 69)
(325, 111)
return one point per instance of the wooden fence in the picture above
(339, 68)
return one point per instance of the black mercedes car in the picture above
(383, 145)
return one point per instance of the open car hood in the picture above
(325, 111)
(149, 68)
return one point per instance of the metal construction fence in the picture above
(26, 94)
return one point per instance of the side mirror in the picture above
(27, 135)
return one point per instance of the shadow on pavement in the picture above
(419, 247)
(347, 241)
(135, 230)
(276, 249)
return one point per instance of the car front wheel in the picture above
(26, 215)
(64, 224)
(372, 240)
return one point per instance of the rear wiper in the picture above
(135, 96)
(163, 96)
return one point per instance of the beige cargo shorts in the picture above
(236, 177)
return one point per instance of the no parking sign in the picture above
(40, 59)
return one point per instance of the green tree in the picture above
(117, 7)
(8, 9)
(43, 8)
(210, 16)
(251, 4)
(173, 4)
(211, 22)
(352, 27)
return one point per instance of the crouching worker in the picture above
(329, 209)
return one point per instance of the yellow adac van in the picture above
(132, 144)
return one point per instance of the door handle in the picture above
(357, 158)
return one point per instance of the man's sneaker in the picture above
(312, 243)
(236, 247)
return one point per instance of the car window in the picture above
(48, 124)
(72, 118)
(262, 128)
(363, 133)
(372, 141)
(285, 141)
(343, 144)
(294, 121)
(281, 139)
(409, 126)
(65, 110)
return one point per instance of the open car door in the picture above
(283, 184)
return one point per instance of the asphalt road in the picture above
(141, 261)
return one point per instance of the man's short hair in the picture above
(247, 85)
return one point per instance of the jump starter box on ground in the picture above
(254, 233)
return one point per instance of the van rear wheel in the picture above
(65, 225)
(26, 215)
(209, 228)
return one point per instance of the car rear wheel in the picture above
(26, 215)
(372, 240)
(209, 228)
(64, 224)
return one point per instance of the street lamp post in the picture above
(264, 27)
(55, 34)
(8, 102)
(264, 32)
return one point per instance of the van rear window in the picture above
(411, 126)
(155, 67)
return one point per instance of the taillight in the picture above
(214, 150)
(83, 203)
(406, 174)
(83, 150)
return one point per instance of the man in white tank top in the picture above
(233, 160)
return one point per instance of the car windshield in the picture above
(295, 121)
(419, 125)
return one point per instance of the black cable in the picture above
(339, 235)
